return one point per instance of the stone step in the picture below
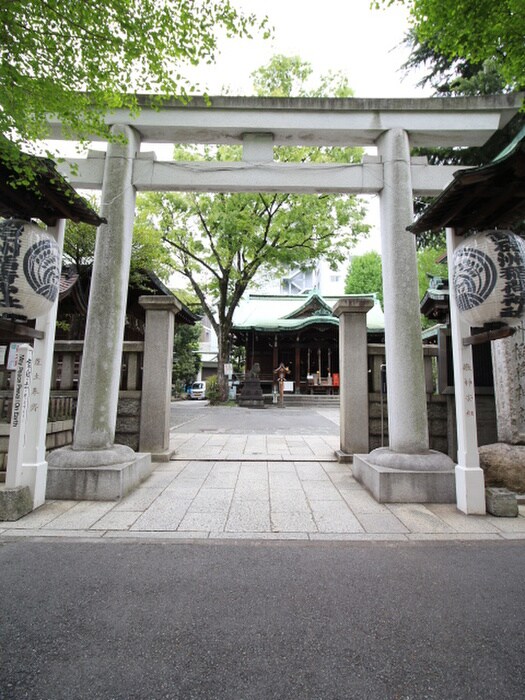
(307, 400)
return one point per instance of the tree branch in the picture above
(191, 255)
(204, 225)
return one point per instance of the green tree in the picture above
(427, 267)
(78, 61)
(450, 76)
(365, 275)
(284, 76)
(475, 31)
(220, 241)
(186, 358)
(148, 254)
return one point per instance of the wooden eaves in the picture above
(488, 196)
(49, 197)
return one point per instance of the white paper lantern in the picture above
(29, 266)
(489, 278)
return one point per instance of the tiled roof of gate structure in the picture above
(483, 197)
(274, 312)
(49, 198)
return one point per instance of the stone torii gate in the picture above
(392, 126)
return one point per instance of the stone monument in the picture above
(251, 394)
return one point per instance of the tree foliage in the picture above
(148, 254)
(219, 242)
(186, 358)
(450, 75)
(427, 267)
(147, 250)
(365, 275)
(474, 31)
(284, 76)
(79, 60)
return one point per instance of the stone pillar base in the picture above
(164, 456)
(252, 403)
(15, 502)
(95, 475)
(344, 457)
(406, 478)
(470, 490)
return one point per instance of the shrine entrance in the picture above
(392, 127)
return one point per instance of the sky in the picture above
(333, 35)
(338, 35)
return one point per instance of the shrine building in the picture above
(301, 332)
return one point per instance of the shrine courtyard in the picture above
(270, 474)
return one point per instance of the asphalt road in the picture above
(198, 416)
(239, 621)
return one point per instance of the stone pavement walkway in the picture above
(262, 487)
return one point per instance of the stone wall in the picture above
(60, 433)
(437, 422)
(127, 431)
(441, 422)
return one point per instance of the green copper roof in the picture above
(314, 305)
(266, 312)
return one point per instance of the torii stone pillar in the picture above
(94, 467)
(353, 370)
(406, 470)
(157, 373)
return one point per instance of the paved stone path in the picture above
(262, 487)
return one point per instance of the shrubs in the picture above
(212, 390)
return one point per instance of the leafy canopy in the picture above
(110, 50)
(186, 358)
(147, 252)
(285, 76)
(365, 274)
(456, 75)
(473, 30)
(220, 241)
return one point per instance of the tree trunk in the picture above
(222, 358)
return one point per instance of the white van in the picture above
(198, 390)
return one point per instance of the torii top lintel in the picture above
(447, 121)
